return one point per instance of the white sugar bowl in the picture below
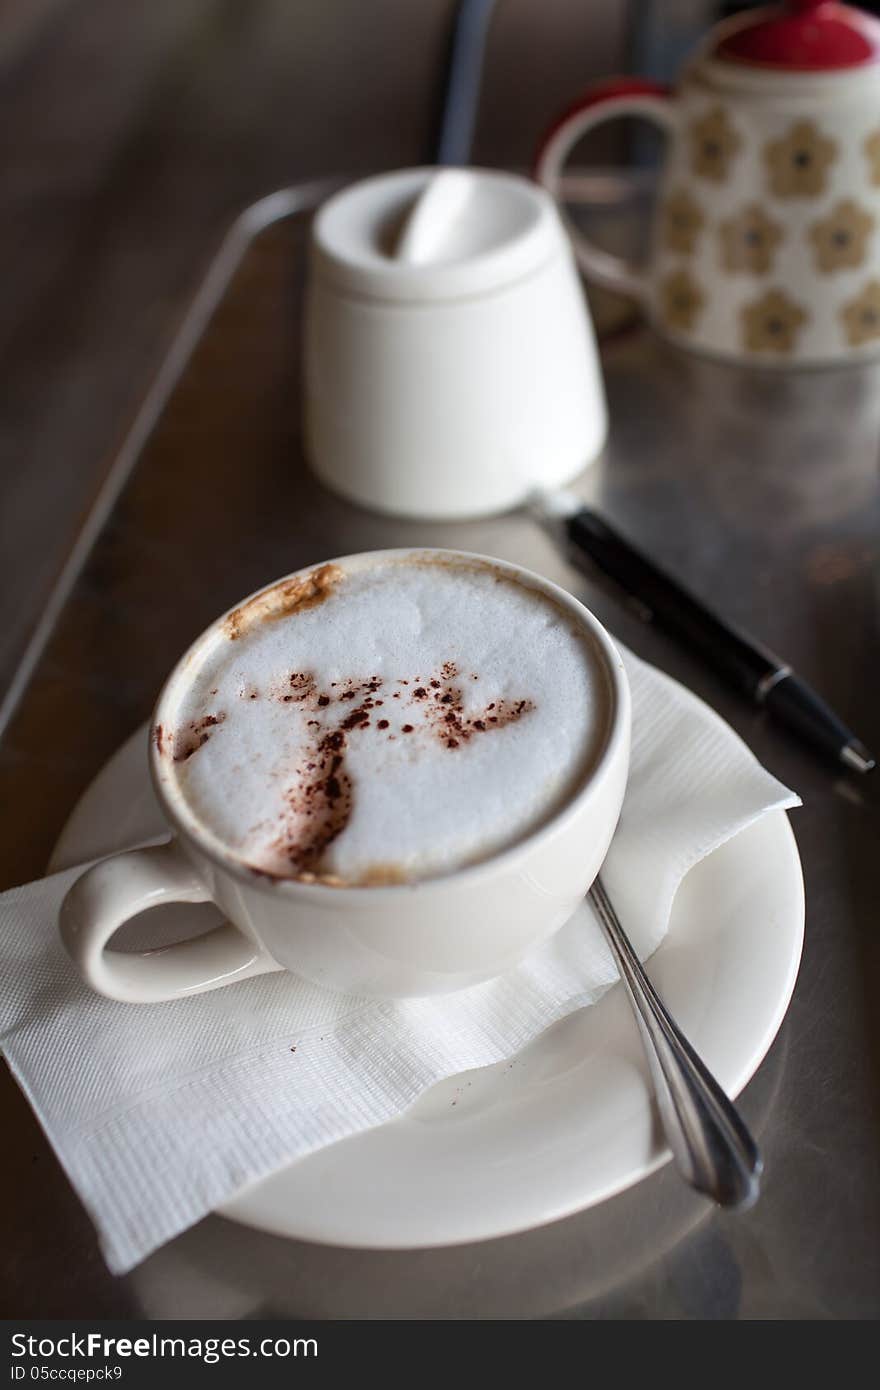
(450, 361)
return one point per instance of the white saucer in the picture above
(570, 1121)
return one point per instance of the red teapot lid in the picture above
(801, 36)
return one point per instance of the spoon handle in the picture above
(711, 1145)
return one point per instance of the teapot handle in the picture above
(626, 96)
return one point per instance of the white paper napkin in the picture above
(159, 1113)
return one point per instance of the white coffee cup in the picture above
(427, 937)
(450, 360)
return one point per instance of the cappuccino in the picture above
(385, 722)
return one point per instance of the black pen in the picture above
(765, 679)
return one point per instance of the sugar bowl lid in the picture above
(429, 234)
(807, 36)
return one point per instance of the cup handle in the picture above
(111, 892)
(604, 102)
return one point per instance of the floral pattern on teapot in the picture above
(840, 240)
(797, 164)
(767, 234)
(749, 241)
(714, 145)
(861, 316)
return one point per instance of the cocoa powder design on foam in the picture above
(192, 737)
(319, 797)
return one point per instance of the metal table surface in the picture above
(760, 490)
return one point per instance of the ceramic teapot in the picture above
(766, 237)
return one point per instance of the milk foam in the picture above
(413, 718)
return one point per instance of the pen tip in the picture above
(856, 756)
